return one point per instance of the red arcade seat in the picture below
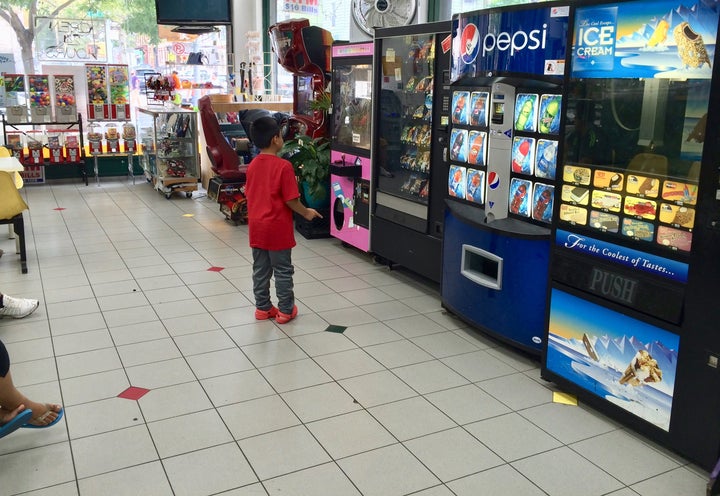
(224, 160)
(228, 185)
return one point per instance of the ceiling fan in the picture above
(371, 14)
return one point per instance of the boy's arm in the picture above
(299, 208)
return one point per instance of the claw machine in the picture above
(410, 140)
(508, 82)
(633, 312)
(350, 135)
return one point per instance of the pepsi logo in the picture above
(493, 180)
(469, 43)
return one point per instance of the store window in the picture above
(457, 6)
(333, 15)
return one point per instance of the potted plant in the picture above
(311, 160)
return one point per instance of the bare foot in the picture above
(44, 414)
(7, 415)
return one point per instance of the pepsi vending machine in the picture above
(508, 75)
(350, 129)
(633, 309)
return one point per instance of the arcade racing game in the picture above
(508, 75)
(634, 275)
(410, 144)
(304, 51)
(350, 131)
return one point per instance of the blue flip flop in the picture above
(18, 421)
(27, 425)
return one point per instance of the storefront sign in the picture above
(81, 40)
(7, 62)
(301, 6)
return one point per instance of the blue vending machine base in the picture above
(495, 276)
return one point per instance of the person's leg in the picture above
(11, 399)
(282, 266)
(262, 272)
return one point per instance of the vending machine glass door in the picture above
(352, 104)
(405, 121)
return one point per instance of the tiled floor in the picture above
(407, 401)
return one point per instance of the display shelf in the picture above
(169, 152)
(41, 155)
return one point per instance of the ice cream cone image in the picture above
(690, 46)
(643, 369)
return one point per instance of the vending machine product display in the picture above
(632, 325)
(410, 145)
(508, 78)
(350, 133)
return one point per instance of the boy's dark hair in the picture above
(263, 130)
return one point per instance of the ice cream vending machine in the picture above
(350, 136)
(508, 78)
(633, 312)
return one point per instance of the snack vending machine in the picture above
(508, 75)
(409, 155)
(304, 51)
(350, 136)
(633, 308)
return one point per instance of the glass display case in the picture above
(170, 156)
(405, 124)
(352, 106)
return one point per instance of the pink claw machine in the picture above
(350, 128)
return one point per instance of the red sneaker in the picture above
(284, 318)
(266, 314)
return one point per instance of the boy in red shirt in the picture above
(272, 197)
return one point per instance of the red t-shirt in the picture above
(270, 183)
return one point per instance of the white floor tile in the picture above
(295, 375)
(188, 473)
(319, 402)
(101, 416)
(350, 434)
(171, 401)
(259, 416)
(563, 472)
(148, 478)
(411, 418)
(389, 471)
(282, 452)
(453, 454)
(36, 468)
(113, 450)
(323, 480)
(191, 432)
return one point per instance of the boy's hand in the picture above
(311, 213)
